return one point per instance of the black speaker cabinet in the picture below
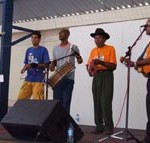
(44, 120)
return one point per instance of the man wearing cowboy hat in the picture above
(103, 59)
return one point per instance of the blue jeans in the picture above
(63, 92)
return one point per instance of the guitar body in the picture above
(140, 70)
(127, 62)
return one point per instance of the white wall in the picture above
(123, 34)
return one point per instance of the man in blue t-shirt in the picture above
(36, 60)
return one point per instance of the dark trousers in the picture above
(148, 111)
(102, 88)
(63, 92)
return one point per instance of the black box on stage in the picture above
(44, 120)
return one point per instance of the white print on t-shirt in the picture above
(101, 58)
(32, 59)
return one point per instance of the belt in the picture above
(104, 70)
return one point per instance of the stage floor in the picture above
(88, 136)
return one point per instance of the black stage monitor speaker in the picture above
(44, 120)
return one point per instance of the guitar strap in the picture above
(143, 53)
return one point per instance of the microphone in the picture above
(146, 25)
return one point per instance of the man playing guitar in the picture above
(144, 65)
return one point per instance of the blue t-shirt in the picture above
(38, 55)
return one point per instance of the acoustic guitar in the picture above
(127, 62)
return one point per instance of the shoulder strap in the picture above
(143, 53)
(70, 51)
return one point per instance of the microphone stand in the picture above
(47, 75)
(126, 131)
